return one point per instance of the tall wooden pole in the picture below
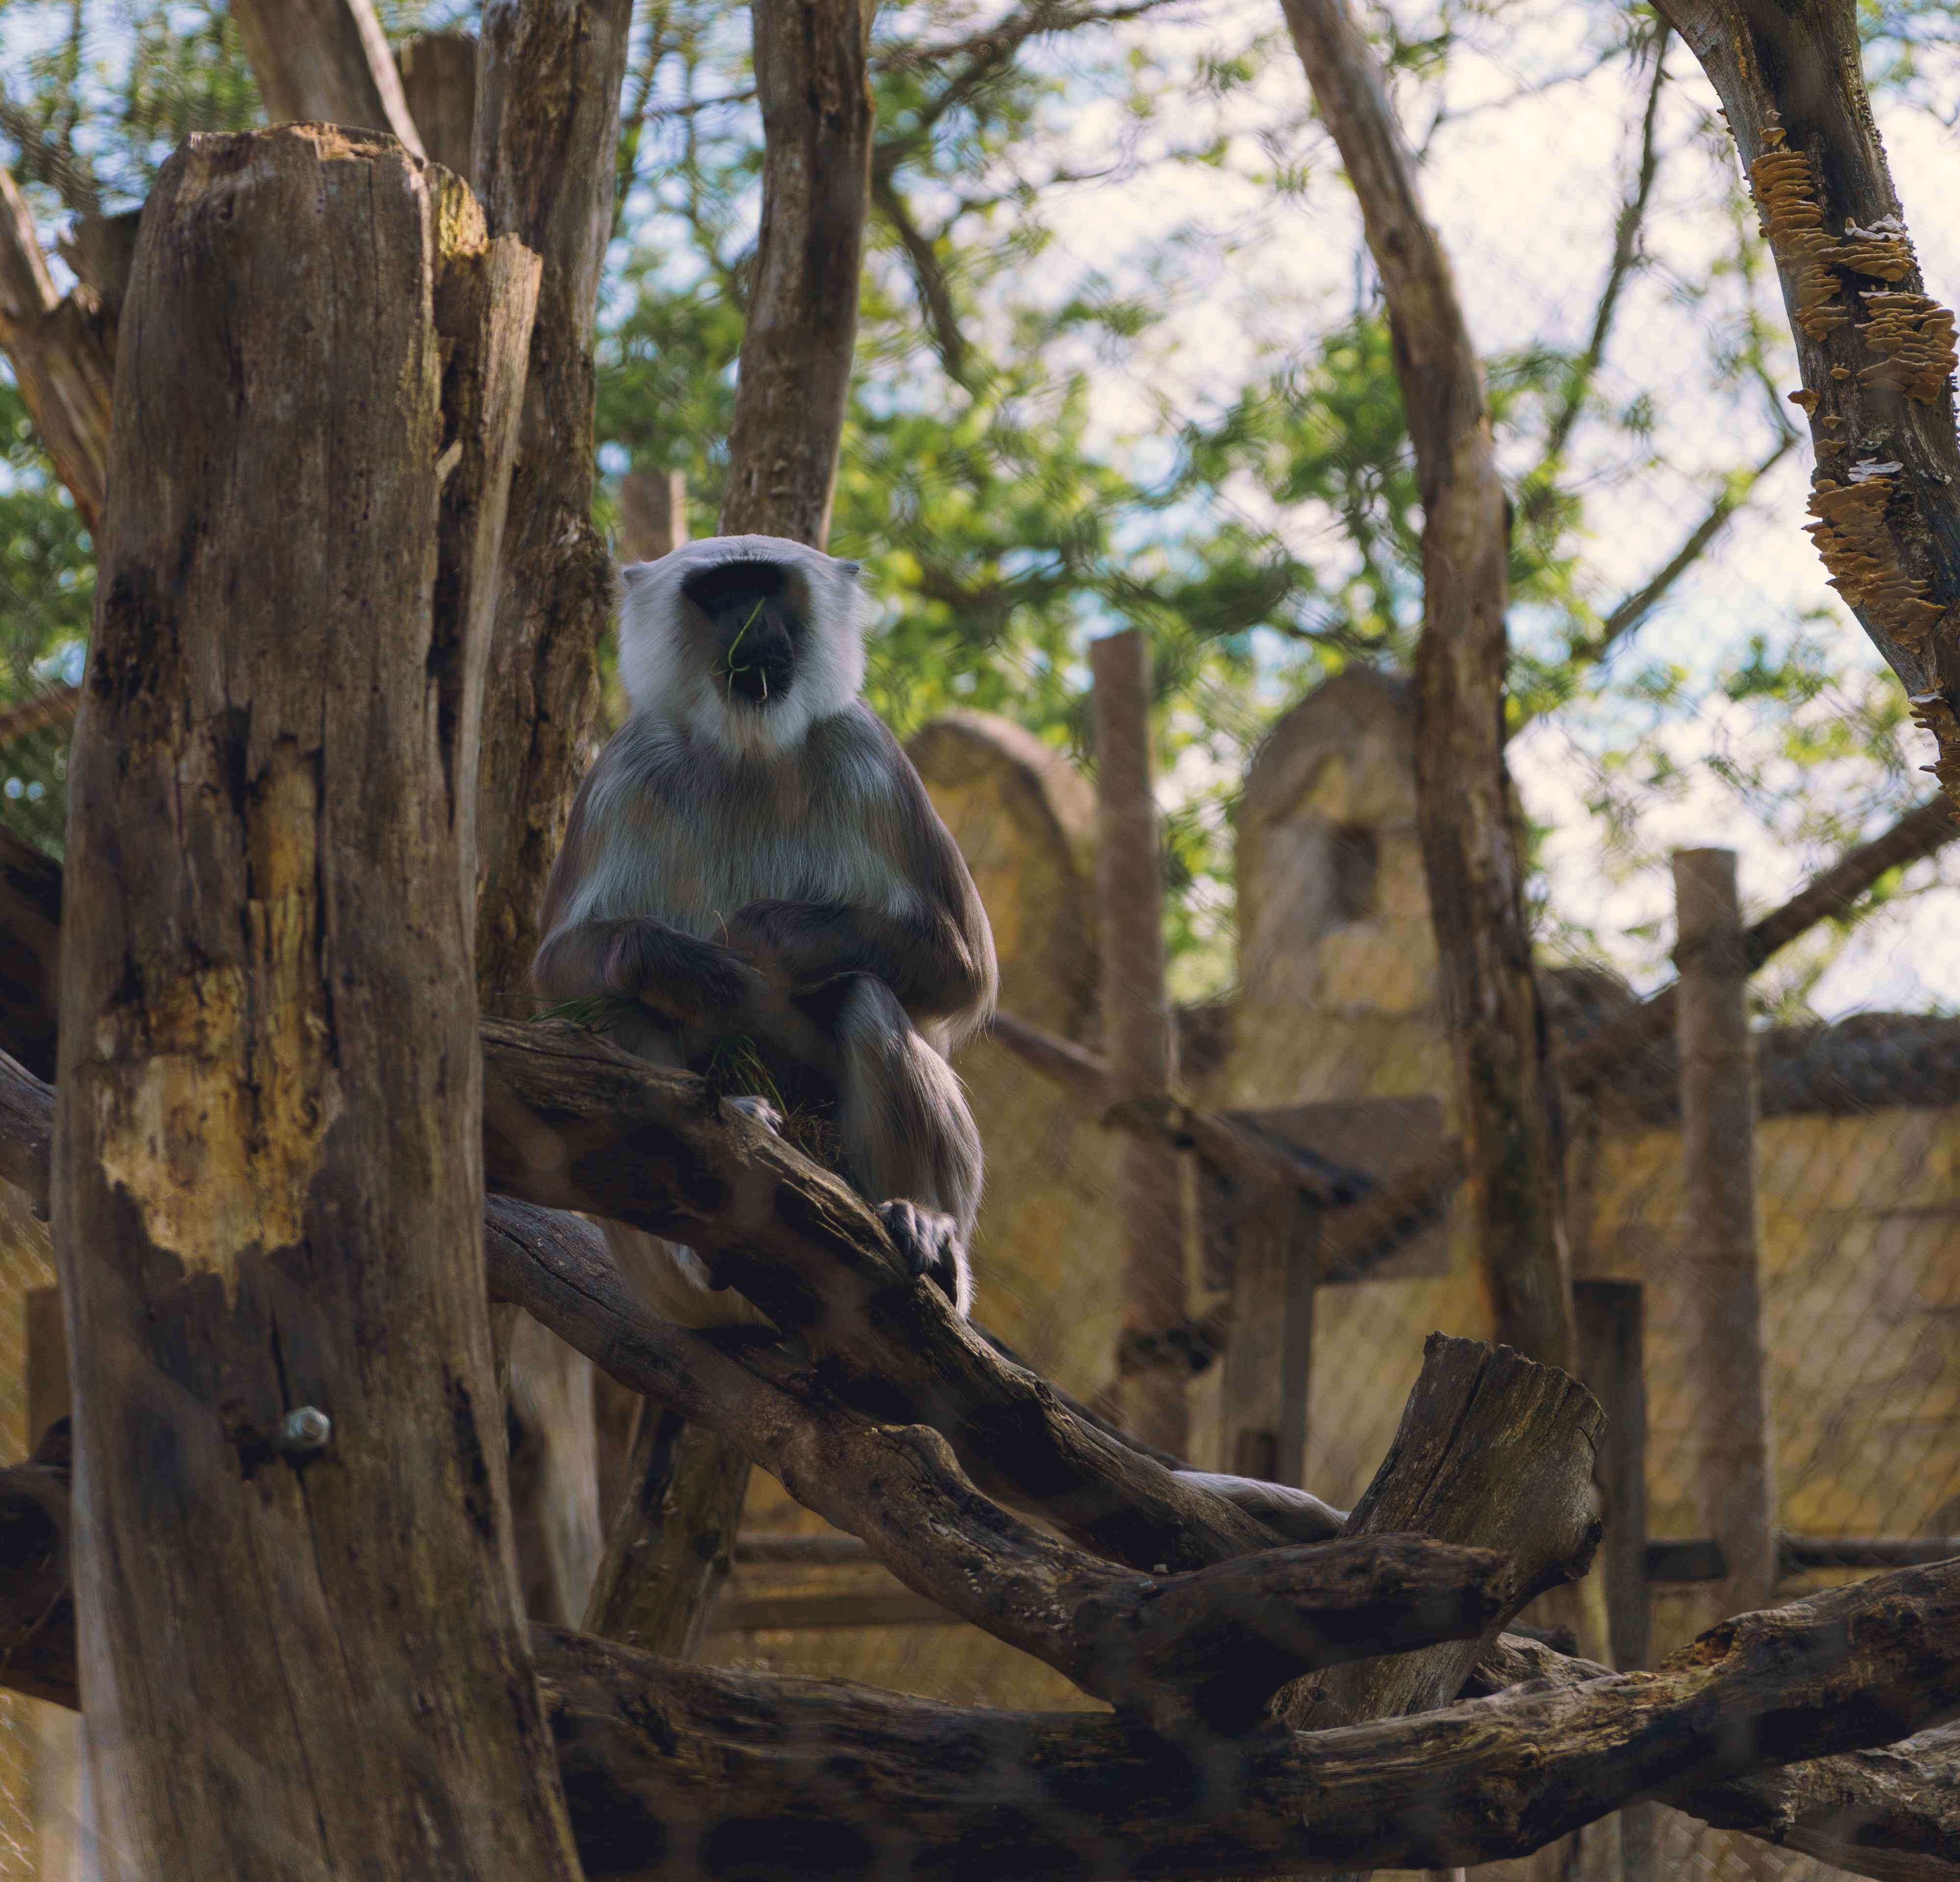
(1137, 1038)
(299, 1627)
(1732, 1447)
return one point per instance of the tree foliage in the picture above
(1120, 362)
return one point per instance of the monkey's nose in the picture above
(760, 666)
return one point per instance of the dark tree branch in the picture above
(1876, 353)
(1218, 1642)
(547, 124)
(653, 1755)
(795, 373)
(929, 278)
(1893, 1813)
(569, 1122)
(1626, 232)
(1510, 1151)
(62, 349)
(1629, 614)
(324, 62)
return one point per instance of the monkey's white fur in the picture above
(659, 677)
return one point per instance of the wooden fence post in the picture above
(1137, 1039)
(1269, 1344)
(1611, 1358)
(1732, 1457)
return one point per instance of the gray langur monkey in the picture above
(753, 858)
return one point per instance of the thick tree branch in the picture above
(546, 124)
(569, 1122)
(655, 1755)
(795, 372)
(324, 62)
(1893, 1813)
(1504, 1101)
(1876, 354)
(62, 349)
(1218, 1642)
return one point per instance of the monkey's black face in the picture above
(755, 627)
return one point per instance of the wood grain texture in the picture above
(658, 1756)
(829, 1776)
(797, 348)
(439, 73)
(325, 62)
(1495, 1451)
(265, 1163)
(669, 1549)
(1465, 806)
(1214, 1644)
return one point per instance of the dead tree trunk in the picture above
(267, 1176)
(1876, 352)
(1464, 803)
(1137, 1043)
(796, 349)
(324, 62)
(1730, 1415)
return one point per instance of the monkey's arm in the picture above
(693, 982)
(923, 958)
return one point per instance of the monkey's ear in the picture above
(633, 573)
(853, 569)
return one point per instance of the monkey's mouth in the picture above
(763, 679)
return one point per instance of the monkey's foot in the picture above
(761, 1109)
(927, 1241)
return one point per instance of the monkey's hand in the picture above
(929, 1244)
(693, 982)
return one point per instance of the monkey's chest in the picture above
(695, 877)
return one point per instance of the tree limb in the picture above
(796, 349)
(63, 348)
(1218, 1642)
(324, 62)
(654, 1754)
(1876, 354)
(1510, 1147)
(571, 1122)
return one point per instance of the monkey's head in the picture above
(749, 639)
